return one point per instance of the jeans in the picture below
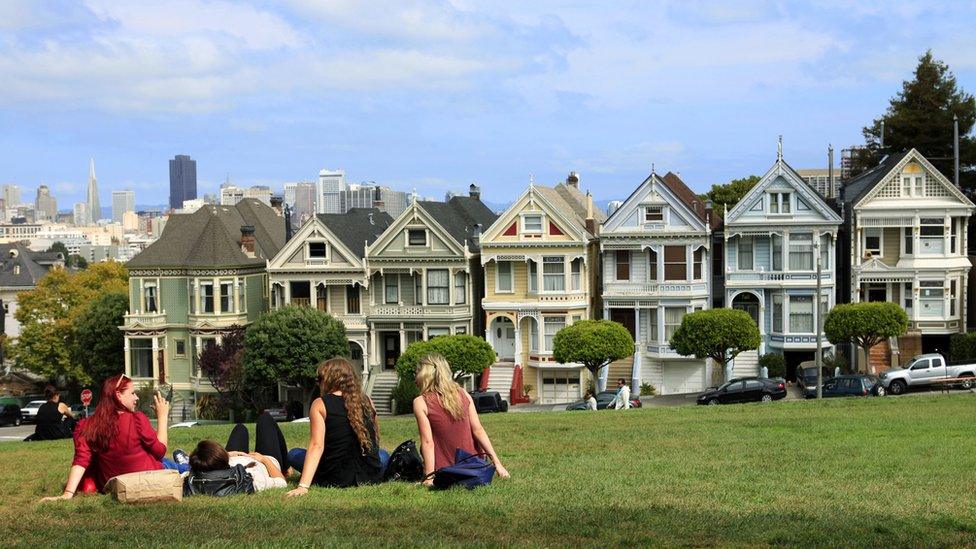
(170, 464)
(296, 459)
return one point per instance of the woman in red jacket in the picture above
(117, 439)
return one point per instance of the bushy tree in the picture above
(99, 343)
(729, 194)
(288, 345)
(467, 354)
(718, 334)
(593, 343)
(222, 364)
(865, 324)
(775, 364)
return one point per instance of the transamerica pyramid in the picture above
(94, 208)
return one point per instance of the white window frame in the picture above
(213, 297)
(525, 228)
(922, 238)
(778, 304)
(777, 200)
(546, 337)
(230, 297)
(387, 286)
(460, 290)
(146, 286)
(811, 314)
(801, 243)
(416, 229)
(864, 243)
(934, 287)
(498, 277)
(738, 253)
(562, 274)
(647, 214)
(308, 250)
(576, 274)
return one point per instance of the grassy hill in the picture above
(888, 471)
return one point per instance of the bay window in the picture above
(150, 295)
(438, 287)
(675, 263)
(226, 297)
(552, 326)
(141, 358)
(777, 244)
(503, 280)
(554, 274)
(801, 252)
(460, 288)
(698, 262)
(652, 325)
(907, 298)
(801, 314)
(207, 297)
(672, 320)
(576, 274)
(931, 299)
(778, 313)
(533, 276)
(745, 253)
(652, 265)
(909, 239)
(932, 236)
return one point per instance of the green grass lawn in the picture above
(882, 471)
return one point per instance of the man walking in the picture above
(622, 399)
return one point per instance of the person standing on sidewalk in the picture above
(622, 400)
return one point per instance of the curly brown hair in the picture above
(337, 374)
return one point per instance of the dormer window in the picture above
(913, 181)
(532, 223)
(653, 214)
(779, 203)
(416, 237)
(316, 250)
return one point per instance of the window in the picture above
(909, 241)
(503, 280)
(652, 264)
(418, 290)
(416, 237)
(554, 274)
(698, 263)
(150, 291)
(316, 250)
(576, 274)
(652, 325)
(801, 252)
(180, 347)
(352, 300)
(533, 276)
(391, 293)
(533, 336)
(952, 298)
(912, 184)
(460, 330)
(675, 263)
(954, 227)
(872, 242)
(745, 253)
(241, 296)
(226, 297)
(142, 357)
(653, 214)
(921, 364)
(779, 203)
(778, 313)
(672, 319)
(622, 258)
(825, 251)
(801, 314)
(532, 223)
(777, 244)
(193, 297)
(207, 297)
(433, 332)
(553, 324)
(932, 236)
(438, 287)
(907, 298)
(460, 288)
(322, 298)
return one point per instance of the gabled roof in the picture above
(856, 189)
(782, 168)
(572, 203)
(16, 254)
(690, 199)
(459, 215)
(211, 237)
(357, 227)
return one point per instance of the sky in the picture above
(435, 95)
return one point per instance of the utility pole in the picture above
(819, 316)
(955, 145)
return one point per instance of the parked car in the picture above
(10, 414)
(488, 401)
(851, 385)
(29, 412)
(806, 375)
(603, 399)
(925, 370)
(745, 389)
(279, 412)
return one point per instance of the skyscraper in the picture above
(94, 208)
(182, 180)
(81, 214)
(332, 183)
(122, 201)
(304, 206)
(45, 206)
(11, 195)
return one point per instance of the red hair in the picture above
(103, 425)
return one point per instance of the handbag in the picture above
(469, 470)
(405, 463)
(219, 483)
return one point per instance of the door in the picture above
(921, 372)
(391, 350)
(683, 377)
(732, 393)
(625, 317)
(559, 386)
(830, 388)
(503, 332)
(752, 390)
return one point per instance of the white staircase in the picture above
(383, 386)
(500, 378)
(746, 364)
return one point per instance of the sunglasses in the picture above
(119, 382)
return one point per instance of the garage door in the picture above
(559, 386)
(683, 377)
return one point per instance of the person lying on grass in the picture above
(117, 440)
(447, 419)
(342, 445)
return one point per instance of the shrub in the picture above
(835, 360)
(210, 407)
(646, 389)
(593, 343)
(719, 334)
(962, 347)
(403, 394)
(775, 364)
(466, 354)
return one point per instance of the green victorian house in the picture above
(207, 272)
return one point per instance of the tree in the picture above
(592, 343)
(99, 343)
(466, 354)
(74, 261)
(223, 365)
(718, 334)
(731, 193)
(288, 344)
(865, 324)
(921, 117)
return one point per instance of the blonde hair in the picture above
(434, 376)
(337, 374)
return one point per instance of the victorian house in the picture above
(541, 274)
(205, 273)
(906, 228)
(775, 239)
(656, 250)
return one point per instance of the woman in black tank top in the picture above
(54, 419)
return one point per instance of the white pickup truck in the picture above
(926, 370)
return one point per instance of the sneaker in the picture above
(181, 457)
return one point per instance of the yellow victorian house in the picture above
(541, 274)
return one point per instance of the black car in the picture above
(10, 415)
(488, 402)
(745, 389)
(603, 400)
(852, 385)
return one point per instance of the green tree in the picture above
(466, 354)
(99, 343)
(288, 344)
(592, 343)
(718, 334)
(729, 194)
(921, 117)
(865, 324)
(223, 365)
(73, 261)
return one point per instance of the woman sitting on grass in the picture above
(342, 443)
(447, 419)
(117, 439)
(54, 418)
(264, 463)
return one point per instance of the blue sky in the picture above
(435, 95)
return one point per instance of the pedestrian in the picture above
(590, 400)
(621, 401)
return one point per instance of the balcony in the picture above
(662, 350)
(761, 276)
(653, 289)
(221, 319)
(419, 311)
(146, 319)
(352, 322)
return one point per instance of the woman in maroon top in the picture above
(117, 439)
(447, 419)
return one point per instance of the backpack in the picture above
(469, 470)
(223, 482)
(405, 463)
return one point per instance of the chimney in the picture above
(573, 180)
(276, 202)
(590, 221)
(289, 230)
(474, 192)
(378, 202)
(247, 240)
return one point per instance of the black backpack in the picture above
(405, 463)
(223, 482)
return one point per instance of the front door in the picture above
(503, 332)
(391, 350)
(625, 317)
